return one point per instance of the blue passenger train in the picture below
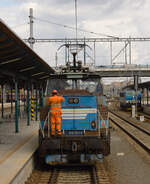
(128, 98)
(85, 130)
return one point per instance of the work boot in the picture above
(58, 132)
(52, 134)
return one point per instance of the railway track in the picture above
(146, 116)
(71, 174)
(134, 129)
(137, 124)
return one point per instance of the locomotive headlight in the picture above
(93, 124)
(76, 100)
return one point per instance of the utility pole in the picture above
(136, 92)
(76, 19)
(94, 55)
(125, 52)
(111, 62)
(31, 40)
(84, 52)
(76, 23)
(56, 59)
(129, 52)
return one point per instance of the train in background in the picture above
(84, 126)
(12, 96)
(129, 98)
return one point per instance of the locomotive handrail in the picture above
(99, 123)
(102, 120)
(68, 107)
(42, 129)
(48, 119)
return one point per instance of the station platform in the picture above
(16, 148)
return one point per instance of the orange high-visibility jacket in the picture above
(55, 103)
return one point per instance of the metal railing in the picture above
(46, 122)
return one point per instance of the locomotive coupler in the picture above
(74, 147)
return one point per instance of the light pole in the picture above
(76, 18)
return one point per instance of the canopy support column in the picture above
(28, 105)
(16, 106)
(2, 98)
(11, 99)
(147, 95)
(24, 99)
(36, 105)
(41, 97)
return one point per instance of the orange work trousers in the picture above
(55, 121)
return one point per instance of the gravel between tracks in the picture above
(88, 174)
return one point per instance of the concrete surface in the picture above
(127, 164)
(16, 148)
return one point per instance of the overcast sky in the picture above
(121, 18)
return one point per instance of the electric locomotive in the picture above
(128, 98)
(85, 131)
(84, 127)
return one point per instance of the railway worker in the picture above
(55, 112)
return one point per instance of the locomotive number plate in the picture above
(74, 133)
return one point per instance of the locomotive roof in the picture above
(75, 92)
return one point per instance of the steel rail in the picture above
(71, 173)
(135, 132)
(134, 125)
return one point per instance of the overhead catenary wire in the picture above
(73, 28)
(120, 52)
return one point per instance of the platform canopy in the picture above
(17, 59)
(140, 85)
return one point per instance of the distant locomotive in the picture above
(12, 96)
(128, 98)
(84, 126)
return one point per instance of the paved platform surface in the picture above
(16, 148)
(126, 163)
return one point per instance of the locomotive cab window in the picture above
(73, 100)
(121, 94)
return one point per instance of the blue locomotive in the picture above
(128, 98)
(85, 130)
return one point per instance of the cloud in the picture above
(119, 18)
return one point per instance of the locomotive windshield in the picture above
(122, 94)
(130, 93)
